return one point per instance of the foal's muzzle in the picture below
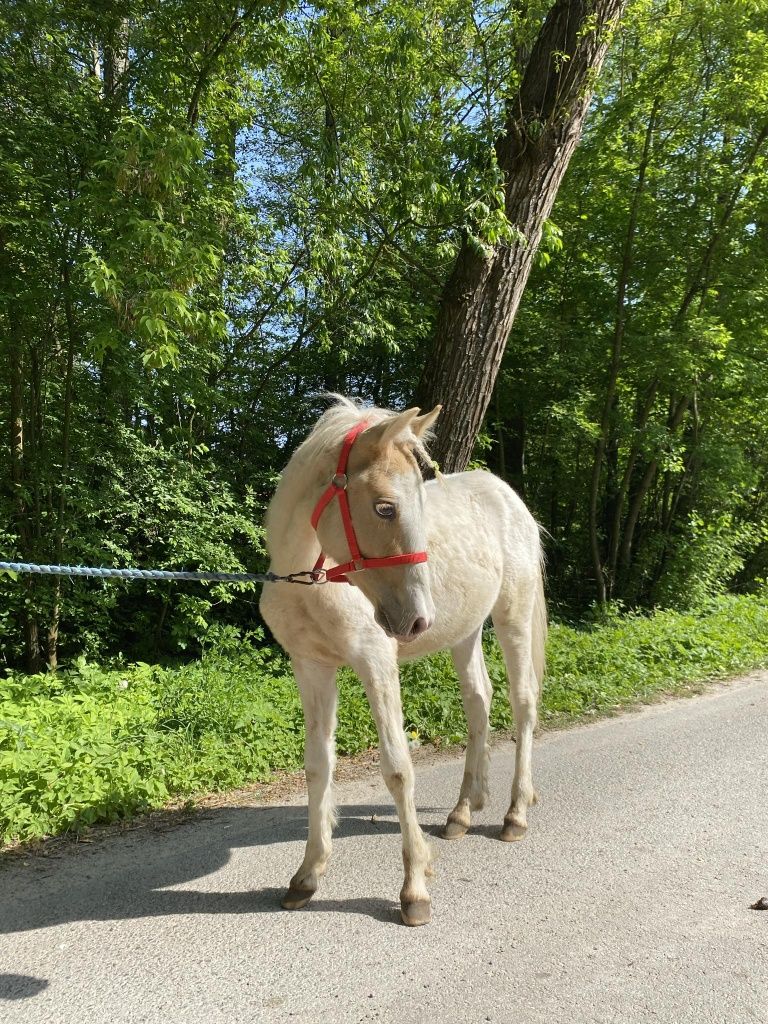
(407, 629)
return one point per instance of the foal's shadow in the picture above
(486, 831)
(386, 911)
(129, 876)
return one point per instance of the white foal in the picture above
(484, 558)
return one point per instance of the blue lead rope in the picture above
(306, 578)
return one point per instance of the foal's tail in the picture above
(539, 629)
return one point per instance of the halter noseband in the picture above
(338, 489)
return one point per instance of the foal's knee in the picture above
(397, 782)
(525, 704)
(476, 708)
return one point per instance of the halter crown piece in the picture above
(337, 488)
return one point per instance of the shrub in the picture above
(94, 745)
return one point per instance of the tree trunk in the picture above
(115, 61)
(31, 634)
(18, 482)
(483, 292)
(52, 649)
(675, 418)
(605, 586)
(643, 410)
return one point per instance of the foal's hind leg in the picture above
(515, 639)
(476, 693)
(317, 686)
(382, 687)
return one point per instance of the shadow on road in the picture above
(129, 876)
(20, 986)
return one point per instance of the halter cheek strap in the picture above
(338, 489)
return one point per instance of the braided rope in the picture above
(150, 574)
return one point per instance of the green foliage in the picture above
(210, 215)
(92, 745)
(228, 216)
(662, 267)
(165, 508)
(632, 657)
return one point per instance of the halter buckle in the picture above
(339, 481)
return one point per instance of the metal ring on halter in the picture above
(339, 481)
(295, 577)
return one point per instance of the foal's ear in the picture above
(394, 428)
(421, 424)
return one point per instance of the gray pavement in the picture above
(628, 901)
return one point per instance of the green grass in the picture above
(90, 745)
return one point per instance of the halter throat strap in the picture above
(337, 488)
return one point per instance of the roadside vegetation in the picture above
(241, 207)
(89, 745)
(232, 215)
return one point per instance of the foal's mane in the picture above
(318, 451)
(328, 433)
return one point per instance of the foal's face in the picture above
(386, 499)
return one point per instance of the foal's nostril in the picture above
(420, 626)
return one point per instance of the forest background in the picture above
(210, 215)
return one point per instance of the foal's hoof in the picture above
(454, 830)
(296, 898)
(512, 832)
(416, 913)
(458, 822)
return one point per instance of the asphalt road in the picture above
(628, 901)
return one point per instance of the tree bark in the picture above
(211, 57)
(604, 586)
(643, 410)
(483, 292)
(115, 61)
(18, 482)
(31, 633)
(66, 432)
(675, 418)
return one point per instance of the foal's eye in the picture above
(385, 509)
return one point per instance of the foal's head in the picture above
(385, 491)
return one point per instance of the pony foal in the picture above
(484, 559)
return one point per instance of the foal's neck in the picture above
(291, 541)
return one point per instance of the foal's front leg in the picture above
(383, 692)
(317, 686)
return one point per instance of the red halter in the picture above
(338, 489)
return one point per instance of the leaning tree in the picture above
(481, 296)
